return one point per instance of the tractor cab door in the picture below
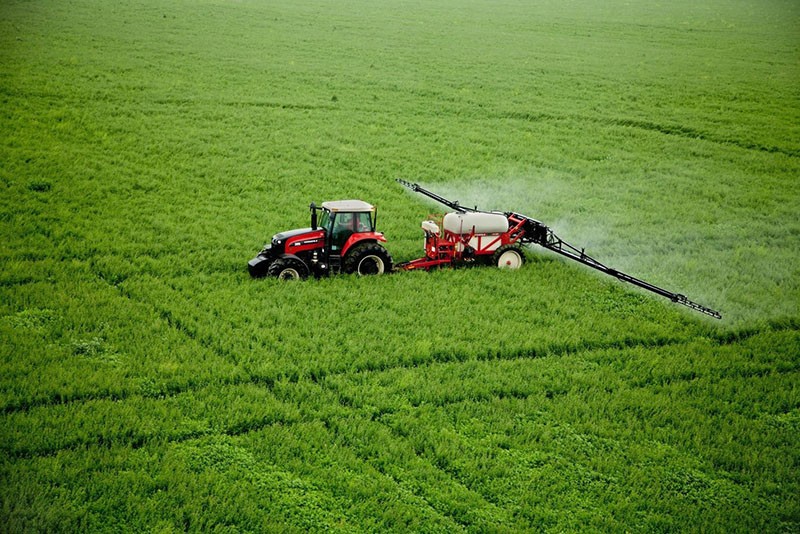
(341, 231)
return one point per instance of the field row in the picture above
(142, 335)
(471, 444)
(144, 416)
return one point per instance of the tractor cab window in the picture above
(363, 222)
(342, 228)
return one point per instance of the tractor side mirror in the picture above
(313, 208)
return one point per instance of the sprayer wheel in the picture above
(509, 257)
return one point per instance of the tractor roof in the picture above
(347, 205)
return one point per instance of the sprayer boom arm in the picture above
(559, 246)
(454, 205)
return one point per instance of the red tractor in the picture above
(341, 239)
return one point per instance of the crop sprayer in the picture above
(344, 239)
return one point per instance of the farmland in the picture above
(148, 149)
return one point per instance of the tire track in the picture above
(319, 376)
(684, 132)
(135, 440)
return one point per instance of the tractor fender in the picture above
(288, 256)
(362, 237)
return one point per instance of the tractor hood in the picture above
(283, 236)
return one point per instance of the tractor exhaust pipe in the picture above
(313, 208)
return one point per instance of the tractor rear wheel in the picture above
(509, 257)
(288, 269)
(368, 258)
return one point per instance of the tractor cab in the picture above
(342, 219)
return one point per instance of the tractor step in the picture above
(335, 263)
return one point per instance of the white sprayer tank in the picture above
(484, 223)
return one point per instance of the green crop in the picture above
(150, 148)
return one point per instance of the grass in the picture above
(149, 149)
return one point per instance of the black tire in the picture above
(509, 257)
(288, 269)
(366, 259)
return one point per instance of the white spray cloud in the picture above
(600, 225)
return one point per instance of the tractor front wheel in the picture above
(368, 258)
(288, 269)
(509, 257)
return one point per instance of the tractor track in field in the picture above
(331, 423)
(239, 428)
(138, 441)
(665, 129)
(99, 97)
(320, 377)
(675, 130)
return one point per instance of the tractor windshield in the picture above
(325, 221)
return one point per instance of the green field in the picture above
(148, 149)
